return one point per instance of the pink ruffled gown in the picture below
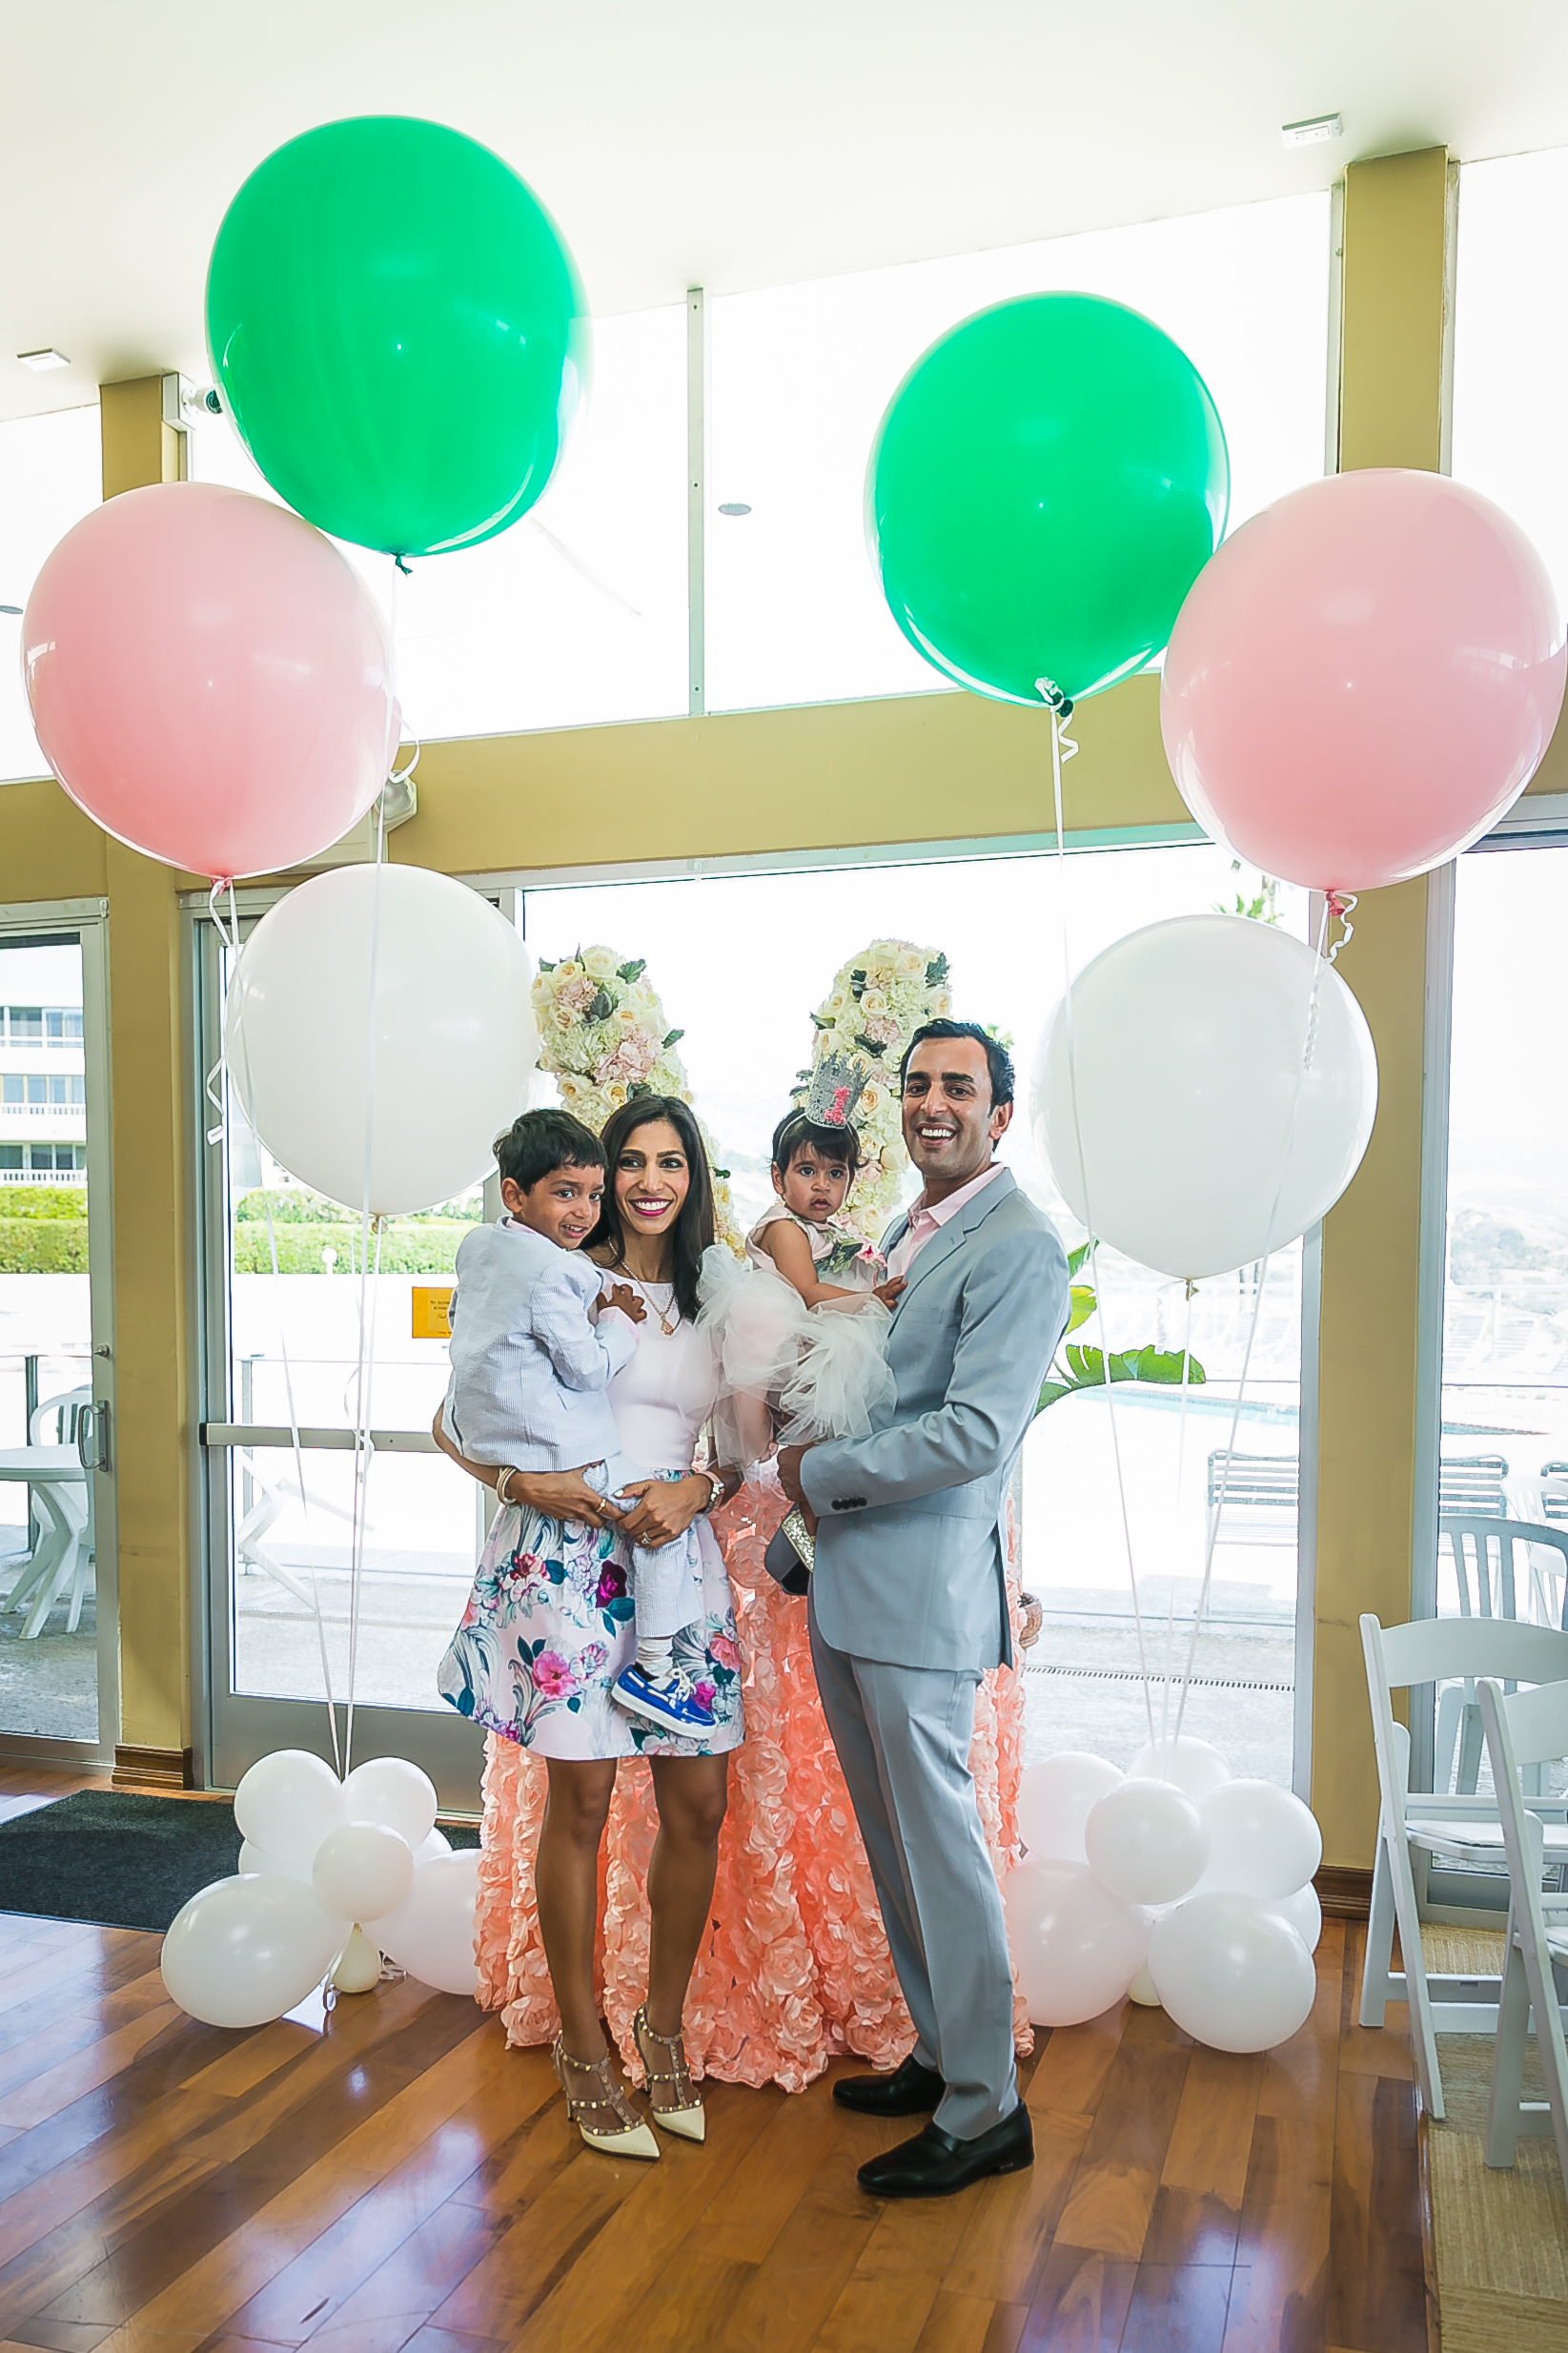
(795, 1969)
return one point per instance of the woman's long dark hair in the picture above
(693, 1229)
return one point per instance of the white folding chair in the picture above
(1524, 1728)
(1461, 1830)
(1494, 1563)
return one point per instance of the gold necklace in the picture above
(668, 1329)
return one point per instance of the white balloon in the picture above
(244, 1950)
(1075, 1946)
(362, 1871)
(437, 1843)
(1143, 1990)
(1231, 1973)
(259, 1863)
(1303, 1911)
(287, 1803)
(358, 1966)
(432, 1934)
(1055, 1797)
(1144, 1840)
(454, 1026)
(390, 1790)
(1194, 1766)
(1207, 1145)
(1262, 1840)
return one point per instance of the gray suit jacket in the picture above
(909, 1543)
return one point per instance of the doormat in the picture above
(119, 1859)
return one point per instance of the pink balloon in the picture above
(1363, 679)
(210, 679)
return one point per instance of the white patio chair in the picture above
(62, 1556)
(1495, 1561)
(251, 1530)
(1525, 1729)
(1472, 1482)
(1252, 1498)
(1420, 1825)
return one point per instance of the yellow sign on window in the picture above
(433, 1310)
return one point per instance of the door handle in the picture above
(93, 1448)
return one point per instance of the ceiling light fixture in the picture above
(1314, 132)
(39, 361)
(734, 507)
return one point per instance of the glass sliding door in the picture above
(280, 1360)
(1502, 1481)
(58, 1636)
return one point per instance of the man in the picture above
(908, 1603)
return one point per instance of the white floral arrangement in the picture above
(604, 1038)
(876, 1004)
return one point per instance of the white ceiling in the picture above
(713, 142)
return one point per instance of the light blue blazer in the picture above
(530, 1367)
(909, 1542)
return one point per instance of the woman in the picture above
(552, 1589)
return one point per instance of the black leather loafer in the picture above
(934, 2164)
(910, 2090)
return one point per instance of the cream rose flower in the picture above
(601, 963)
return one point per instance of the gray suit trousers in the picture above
(902, 1736)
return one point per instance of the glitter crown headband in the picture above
(837, 1081)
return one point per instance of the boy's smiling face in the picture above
(564, 1205)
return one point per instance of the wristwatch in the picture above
(719, 1484)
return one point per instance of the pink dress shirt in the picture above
(925, 1222)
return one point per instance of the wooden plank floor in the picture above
(392, 2179)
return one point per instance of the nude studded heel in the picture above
(676, 2103)
(629, 2136)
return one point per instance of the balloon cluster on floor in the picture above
(1172, 1882)
(322, 1860)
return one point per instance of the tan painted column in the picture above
(146, 1066)
(1393, 391)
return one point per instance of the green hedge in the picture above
(47, 1245)
(409, 1246)
(29, 1201)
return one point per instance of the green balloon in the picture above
(399, 333)
(1048, 481)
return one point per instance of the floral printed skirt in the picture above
(549, 1627)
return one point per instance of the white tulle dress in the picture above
(788, 1371)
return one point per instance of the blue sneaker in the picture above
(672, 1704)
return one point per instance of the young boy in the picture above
(531, 1364)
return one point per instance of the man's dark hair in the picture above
(998, 1060)
(542, 1140)
(693, 1230)
(796, 1133)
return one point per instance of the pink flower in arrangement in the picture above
(577, 996)
(552, 1675)
(632, 1058)
(704, 1693)
(726, 1652)
(882, 1030)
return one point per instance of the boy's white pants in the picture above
(666, 1582)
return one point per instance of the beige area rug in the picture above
(1501, 2239)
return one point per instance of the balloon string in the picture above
(1062, 749)
(1320, 963)
(363, 1445)
(219, 1069)
(1181, 1478)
